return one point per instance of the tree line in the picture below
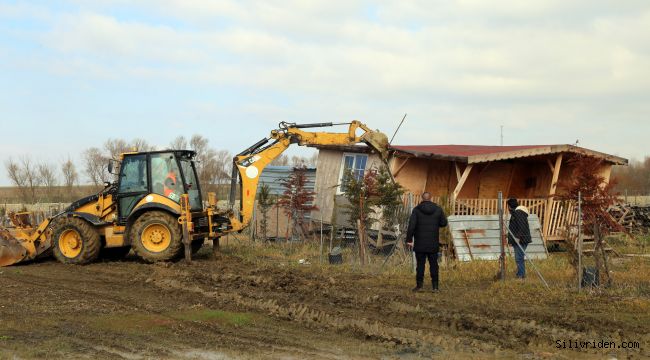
(41, 181)
(634, 178)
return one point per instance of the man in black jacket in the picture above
(424, 225)
(519, 234)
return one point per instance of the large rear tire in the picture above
(75, 241)
(156, 236)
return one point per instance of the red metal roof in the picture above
(464, 150)
(484, 153)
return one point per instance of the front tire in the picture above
(156, 236)
(75, 241)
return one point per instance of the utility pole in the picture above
(501, 135)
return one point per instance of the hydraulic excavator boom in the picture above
(249, 164)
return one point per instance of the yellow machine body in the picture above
(152, 220)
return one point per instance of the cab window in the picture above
(166, 177)
(134, 174)
(191, 183)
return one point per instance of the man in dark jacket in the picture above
(424, 225)
(519, 234)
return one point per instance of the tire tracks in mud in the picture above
(391, 320)
(93, 285)
(312, 317)
(344, 306)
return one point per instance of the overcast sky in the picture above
(74, 73)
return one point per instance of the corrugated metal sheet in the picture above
(273, 176)
(464, 150)
(476, 237)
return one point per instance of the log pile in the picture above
(633, 218)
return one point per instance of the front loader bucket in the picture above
(11, 251)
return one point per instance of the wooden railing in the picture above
(562, 213)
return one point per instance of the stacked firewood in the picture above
(632, 218)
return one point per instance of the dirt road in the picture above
(233, 309)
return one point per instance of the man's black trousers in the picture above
(421, 259)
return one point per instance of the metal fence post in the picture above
(502, 259)
(579, 240)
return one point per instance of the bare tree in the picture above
(142, 145)
(299, 161)
(70, 175)
(634, 178)
(32, 180)
(207, 165)
(223, 162)
(115, 147)
(282, 160)
(94, 165)
(17, 177)
(47, 177)
(180, 143)
(24, 175)
(313, 160)
(213, 166)
(199, 144)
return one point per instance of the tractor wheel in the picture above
(197, 245)
(75, 241)
(156, 236)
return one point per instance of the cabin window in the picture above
(354, 163)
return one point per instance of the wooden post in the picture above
(551, 194)
(321, 229)
(461, 181)
(502, 246)
(512, 176)
(361, 229)
(579, 240)
(458, 174)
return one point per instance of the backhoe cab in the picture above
(155, 207)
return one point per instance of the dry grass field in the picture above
(260, 301)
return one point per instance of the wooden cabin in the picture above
(469, 177)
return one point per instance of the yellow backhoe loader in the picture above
(155, 207)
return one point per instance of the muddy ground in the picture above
(231, 308)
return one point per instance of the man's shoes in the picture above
(417, 289)
(434, 290)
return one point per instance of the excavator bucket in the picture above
(378, 141)
(11, 251)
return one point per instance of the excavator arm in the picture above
(249, 164)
